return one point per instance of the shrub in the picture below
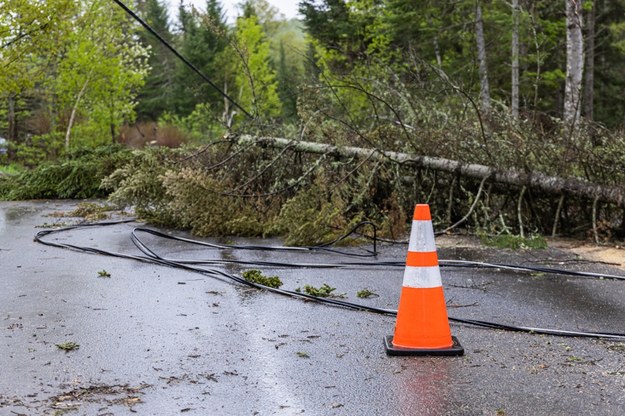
(77, 176)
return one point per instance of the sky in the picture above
(286, 7)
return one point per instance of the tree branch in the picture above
(532, 180)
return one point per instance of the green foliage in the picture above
(10, 170)
(138, 183)
(286, 40)
(256, 276)
(101, 69)
(330, 22)
(312, 216)
(165, 186)
(324, 291)
(30, 31)
(514, 242)
(398, 75)
(6, 186)
(366, 293)
(77, 176)
(69, 66)
(104, 274)
(158, 93)
(352, 36)
(175, 188)
(202, 40)
(68, 346)
(38, 149)
(254, 75)
(201, 125)
(199, 202)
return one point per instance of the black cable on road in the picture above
(150, 256)
(181, 57)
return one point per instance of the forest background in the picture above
(506, 116)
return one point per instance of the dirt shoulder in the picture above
(612, 254)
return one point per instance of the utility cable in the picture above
(150, 256)
(380, 263)
(181, 57)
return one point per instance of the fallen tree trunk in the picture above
(532, 180)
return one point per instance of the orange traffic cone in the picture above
(422, 327)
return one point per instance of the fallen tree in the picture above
(531, 180)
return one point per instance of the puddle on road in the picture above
(17, 213)
(14, 215)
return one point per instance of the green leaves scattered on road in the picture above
(324, 291)
(68, 346)
(256, 276)
(366, 293)
(104, 274)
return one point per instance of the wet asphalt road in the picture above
(160, 341)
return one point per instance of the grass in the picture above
(514, 242)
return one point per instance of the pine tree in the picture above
(286, 85)
(157, 95)
(203, 38)
(331, 24)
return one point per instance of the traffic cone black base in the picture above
(455, 349)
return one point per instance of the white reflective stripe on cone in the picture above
(422, 236)
(422, 277)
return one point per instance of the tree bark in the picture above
(589, 70)
(437, 52)
(514, 93)
(437, 47)
(574, 63)
(72, 115)
(481, 57)
(532, 180)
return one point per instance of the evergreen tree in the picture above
(609, 82)
(203, 38)
(342, 26)
(287, 81)
(157, 95)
